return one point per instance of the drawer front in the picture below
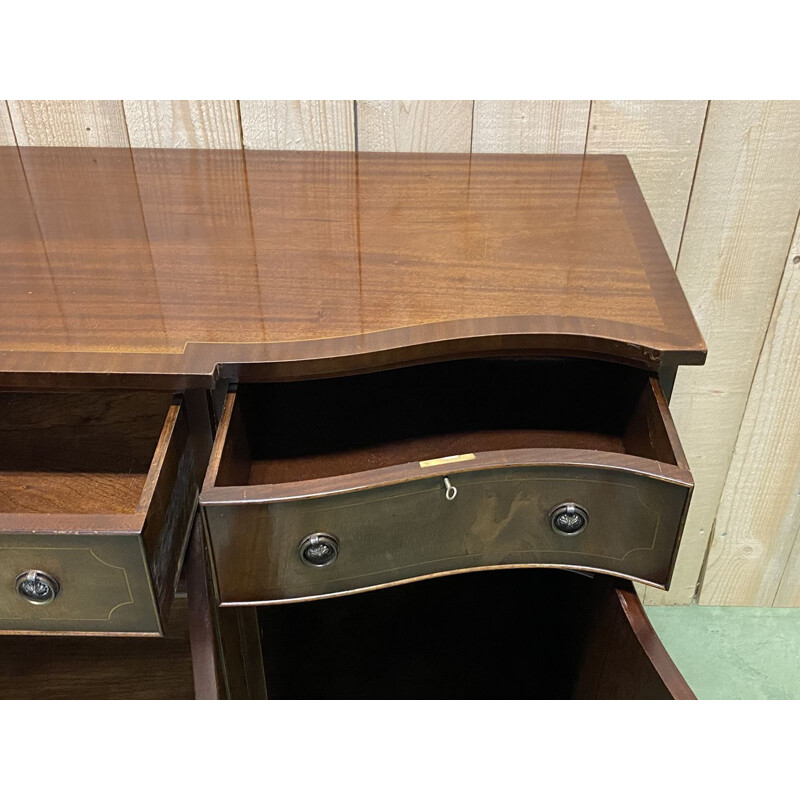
(498, 517)
(118, 473)
(103, 584)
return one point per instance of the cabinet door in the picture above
(503, 634)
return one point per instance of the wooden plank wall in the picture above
(722, 180)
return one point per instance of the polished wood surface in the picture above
(171, 268)
(533, 634)
(123, 271)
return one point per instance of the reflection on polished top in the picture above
(168, 267)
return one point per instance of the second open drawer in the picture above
(344, 484)
(97, 493)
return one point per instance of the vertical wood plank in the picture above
(788, 595)
(298, 124)
(6, 130)
(415, 126)
(661, 140)
(758, 521)
(530, 126)
(738, 230)
(183, 123)
(69, 123)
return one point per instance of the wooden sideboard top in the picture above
(171, 268)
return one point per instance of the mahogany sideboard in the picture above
(287, 425)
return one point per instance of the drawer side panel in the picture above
(170, 513)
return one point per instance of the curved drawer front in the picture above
(498, 517)
(102, 584)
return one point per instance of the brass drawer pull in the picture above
(569, 519)
(37, 587)
(319, 550)
(450, 491)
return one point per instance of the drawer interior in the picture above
(78, 453)
(284, 432)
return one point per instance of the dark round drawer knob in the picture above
(37, 587)
(569, 519)
(319, 550)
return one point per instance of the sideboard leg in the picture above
(207, 666)
(226, 648)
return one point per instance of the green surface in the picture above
(733, 653)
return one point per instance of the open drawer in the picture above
(331, 486)
(97, 492)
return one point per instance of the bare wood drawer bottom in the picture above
(499, 517)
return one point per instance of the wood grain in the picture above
(183, 123)
(738, 231)
(623, 658)
(658, 137)
(69, 123)
(298, 124)
(116, 471)
(6, 129)
(100, 668)
(334, 430)
(77, 453)
(169, 499)
(530, 126)
(415, 126)
(208, 666)
(753, 556)
(155, 269)
(346, 453)
(661, 140)
(788, 595)
(75, 194)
